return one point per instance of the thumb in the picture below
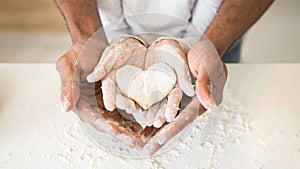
(69, 86)
(203, 91)
(209, 92)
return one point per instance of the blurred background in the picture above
(34, 31)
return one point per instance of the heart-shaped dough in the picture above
(146, 87)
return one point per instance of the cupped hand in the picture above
(74, 66)
(210, 72)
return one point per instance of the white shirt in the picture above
(184, 19)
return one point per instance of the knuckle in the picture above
(61, 63)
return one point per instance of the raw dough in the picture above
(146, 87)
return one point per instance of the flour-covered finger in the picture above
(174, 99)
(109, 91)
(150, 117)
(169, 52)
(125, 103)
(166, 133)
(160, 115)
(116, 55)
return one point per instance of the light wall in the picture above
(275, 37)
(30, 16)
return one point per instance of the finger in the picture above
(131, 51)
(193, 62)
(210, 92)
(170, 130)
(218, 87)
(104, 66)
(126, 104)
(86, 112)
(69, 89)
(91, 116)
(140, 117)
(159, 122)
(174, 99)
(170, 52)
(160, 115)
(203, 91)
(66, 93)
(150, 117)
(116, 55)
(109, 91)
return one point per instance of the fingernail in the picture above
(90, 78)
(65, 104)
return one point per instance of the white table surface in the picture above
(35, 134)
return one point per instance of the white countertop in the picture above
(35, 134)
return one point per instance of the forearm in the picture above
(234, 18)
(81, 16)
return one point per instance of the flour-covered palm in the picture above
(145, 85)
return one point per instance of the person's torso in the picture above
(186, 19)
(168, 17)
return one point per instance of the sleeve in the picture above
(111, 14)
(203, 13)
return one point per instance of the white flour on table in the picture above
(80, 152)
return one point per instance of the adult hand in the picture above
(210, 72)
(75, 65)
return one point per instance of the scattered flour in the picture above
(72, 148)
(65, 145)
(81, 152)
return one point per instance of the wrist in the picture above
(219, 39)
(77, 47)
(96, 42)
(81, 33)
(82, 18)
